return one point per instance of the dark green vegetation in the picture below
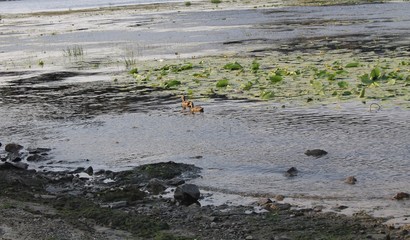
(321, 77)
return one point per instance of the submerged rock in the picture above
(316, 152)
(351, 180)
(291, 172)
(13, 147)
(187, 194)
(401, 196)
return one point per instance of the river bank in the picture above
(123, 205)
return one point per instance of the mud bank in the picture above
(67, 205)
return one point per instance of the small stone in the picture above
(316, 152)
(264, 201)
(13, 147)
(351, 180)
(249, 238)
(34, 158)
(175, 182)
(279, 197)
(89, 170)
(401, 196)
(156, 186)
(291, 172)
(17, 159)
(187, 194)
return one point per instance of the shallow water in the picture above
(242, 146)
(28, 6)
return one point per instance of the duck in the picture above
(195, 108)
(184, 103)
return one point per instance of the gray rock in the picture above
(89, 170)
(35, 158)
(316, 152)
(14, 165)
(156, 186)
(187, 194)
(13, 147)
(175, 182)
(291, 172)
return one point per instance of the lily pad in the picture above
(222, 83)
(171, 83)
(233, 66)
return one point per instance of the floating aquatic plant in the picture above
(222, 83)
(255, 66)
(133, 71)
(233, 66)
(352, 65)
(171, 83)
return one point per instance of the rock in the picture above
(401, 196)
(78, 170)
(187, 194)
(156, 186)
(175, 182)
(35, 158)
(351, 180)
(277, 206)
(14, 165)
(17, 159)
(279, 197)
(38, 150)
(13, 147)
(291, 172)
(316, 152)
(264, 201)
(89, 170)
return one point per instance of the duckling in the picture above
(184, 103)
(195, 108)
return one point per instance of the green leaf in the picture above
(171, 83)
(267, 95)
(362, 93)
(275, 78)
(343, 84)
(365, 79)
(233, 66)
(375, 74)
(255, 66)
(222, 83)
(352, 65)
(133, 71)
(247, 86)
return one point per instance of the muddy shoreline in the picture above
(68, 205)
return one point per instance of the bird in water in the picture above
(184, 103)
(195, 109)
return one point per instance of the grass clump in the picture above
(188, 3)
(75, 51)
(216, 1)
